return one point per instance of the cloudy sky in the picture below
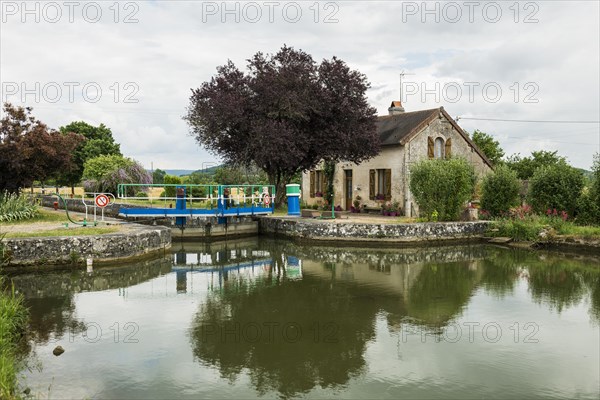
(131, 64)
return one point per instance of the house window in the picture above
(317, 183)
(439, 148)
(380, 184)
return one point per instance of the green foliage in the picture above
(490, 147)
(443, 186)
(556, 186)
(13, 320)
(98, 140)
(529, 227)
(526, 166)
(233, 175)
(170, 191)
(588, 205)
(14, 207)
(199, 178)
(97, 167)
(500, 191)
(104, 173)
(518, 230)
(141, 194)
(158, 176)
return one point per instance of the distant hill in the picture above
(178, 172)
(210, 170)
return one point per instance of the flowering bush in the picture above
(105, 173)
(557, 214)
(520, 212)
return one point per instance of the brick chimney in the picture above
(396, 108)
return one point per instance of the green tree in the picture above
(500, 190)
(526, 166)
(158, 176)
(170, 191)
(588, 205)
(104, 173)
(98, 141)
(443, 186)
(229, 175)
(557, 186)
(490, 147)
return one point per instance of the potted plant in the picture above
(391, 209)
(356, 205)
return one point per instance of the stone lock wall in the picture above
(421, 232)
(137, 241)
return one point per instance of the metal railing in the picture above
(201, 196)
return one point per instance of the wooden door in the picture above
(348, 188)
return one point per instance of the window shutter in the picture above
(448, 148)
(312, 183)
(388, 184)
(323, 183)
(372, 184)
(430, 147)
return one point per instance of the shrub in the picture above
(588, 205)
(500, 191)
(588, 209)
(141, 194)
(555, 186)
(170, 191)
(15, 207)
(443, 186)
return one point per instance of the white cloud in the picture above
(176, 46)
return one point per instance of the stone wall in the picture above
(137, 241)
(397, 233)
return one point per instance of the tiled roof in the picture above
(398, 129)
(393, 129)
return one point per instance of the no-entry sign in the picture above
(102, 200)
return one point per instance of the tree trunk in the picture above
(279, 182)
(73, 190)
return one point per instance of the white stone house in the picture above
(406, 138)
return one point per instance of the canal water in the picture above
(262, 318)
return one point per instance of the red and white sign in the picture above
(102, 200)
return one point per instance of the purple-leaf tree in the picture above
(285, 114)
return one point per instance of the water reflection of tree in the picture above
(556, 280)
(336, 321)
(440, 292)
(563, 283)
(52, 316)
(500, 272)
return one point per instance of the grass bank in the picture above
(535, 228)
(13, 320)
